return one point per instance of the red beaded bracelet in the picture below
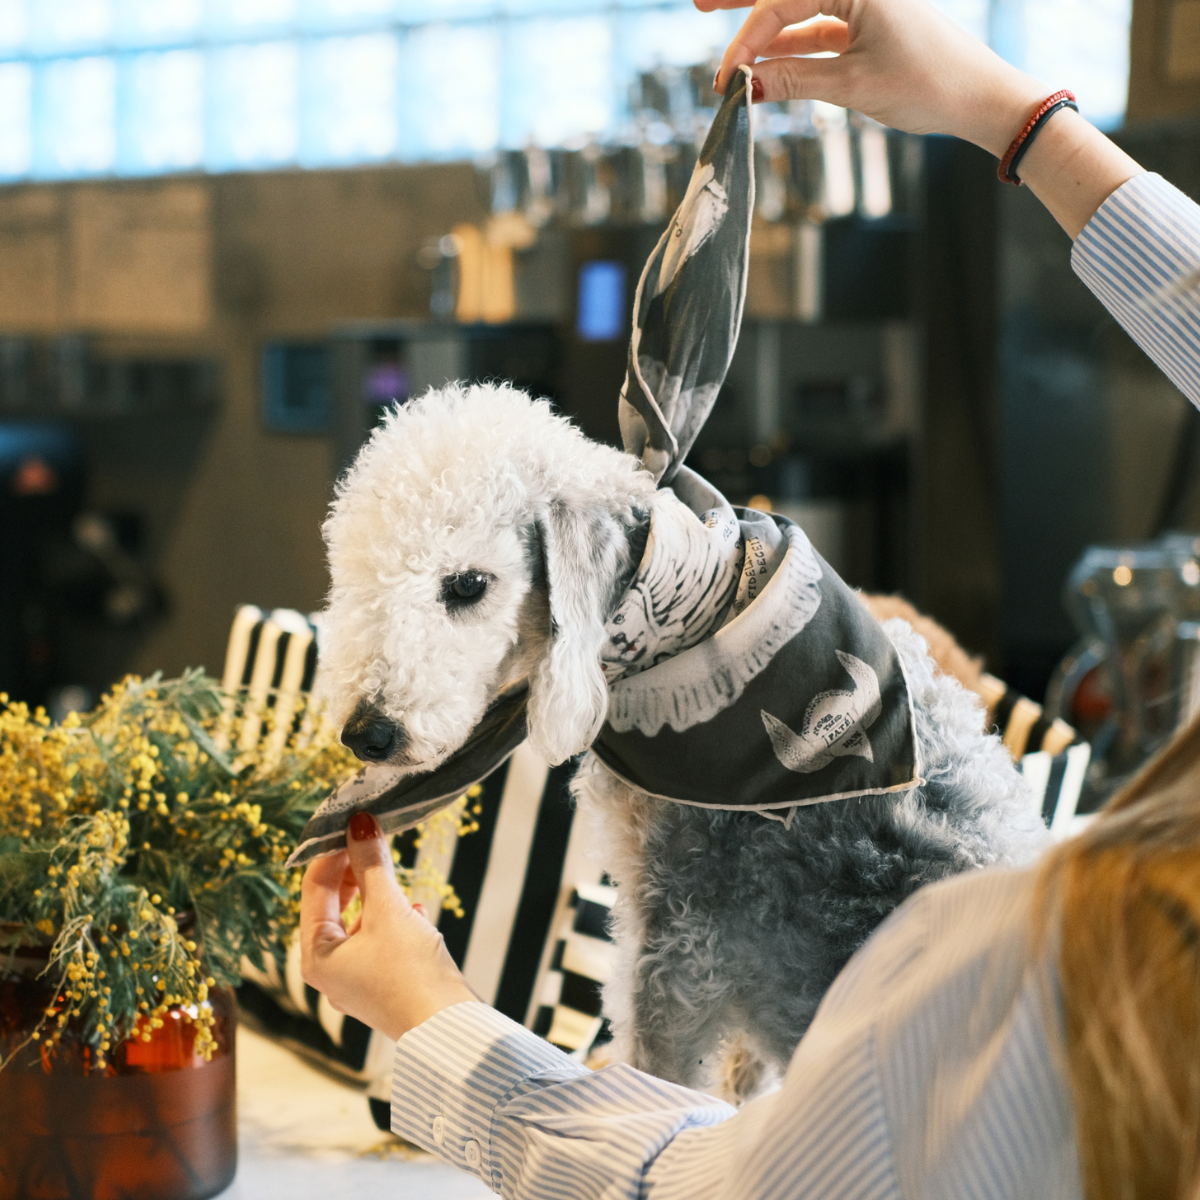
(1048, 107)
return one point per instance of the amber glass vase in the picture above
(158, 1122)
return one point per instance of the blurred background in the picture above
(232, 232)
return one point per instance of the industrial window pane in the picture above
(448, 113)
(75, 126)
(13, 26)
(972, 15)
(157, 22)
(241, 18)
(252, 106)
(16, 94)
(1082, 45)
(350, 110)
(558, 81)
(335, 14)
(162, 112)
(674, 37)
(521, 8)
(66, 25)
(508, 72)
(417, 12)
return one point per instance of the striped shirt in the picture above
(1140, 254)
(933, 1067)
(928, 1072)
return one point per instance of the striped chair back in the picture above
(532, 935)
(270, 659)
(1048, 752)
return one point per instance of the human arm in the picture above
(489, 1096)
(391, 968)
(528, 1120)
(469, 1084)
(938, 1005)
(926, 1073)
(905, 64)
(1137, 239)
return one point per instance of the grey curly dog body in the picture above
(730, 927)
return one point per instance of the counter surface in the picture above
(304, 1135)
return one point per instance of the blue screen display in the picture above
(601, 307)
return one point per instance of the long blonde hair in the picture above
(1128, 893)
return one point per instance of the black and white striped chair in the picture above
(1048, 752)
(532, 935)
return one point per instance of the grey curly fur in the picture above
(730, 924)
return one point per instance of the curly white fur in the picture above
(474, 478)
(726, 924)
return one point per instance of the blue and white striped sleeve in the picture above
(927, 1072)
(1140, 255)
(492, 1098)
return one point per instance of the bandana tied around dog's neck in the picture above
(743, 672)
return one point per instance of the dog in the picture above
(480, 543)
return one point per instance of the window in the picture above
(142, 87)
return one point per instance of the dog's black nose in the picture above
(372, 737)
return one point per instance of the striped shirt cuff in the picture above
(452, 1071)
(1140, 255)
(492, 1098)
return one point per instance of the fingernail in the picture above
(364, 827)
(717, 81)
(756, 88)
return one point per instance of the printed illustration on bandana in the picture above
(687, 575)
(688, 305)
(731, 640)
(798, 699)
(727, 662)
(835, 723)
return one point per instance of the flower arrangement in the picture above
(145, 861)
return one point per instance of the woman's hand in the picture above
(899, 61)
(903, 63)
(391, 969)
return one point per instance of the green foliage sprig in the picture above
(149, 859)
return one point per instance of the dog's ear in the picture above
(568, 698)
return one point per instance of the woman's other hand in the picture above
(899, 61)
(391, 968)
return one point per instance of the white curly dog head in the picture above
(476, 540)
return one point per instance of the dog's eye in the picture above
(467, 587)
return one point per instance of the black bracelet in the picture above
(1027, 141)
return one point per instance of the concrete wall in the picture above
(213, 267)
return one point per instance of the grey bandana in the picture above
(743, 673)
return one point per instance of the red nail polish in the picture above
(756, 89)
(363, 827)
